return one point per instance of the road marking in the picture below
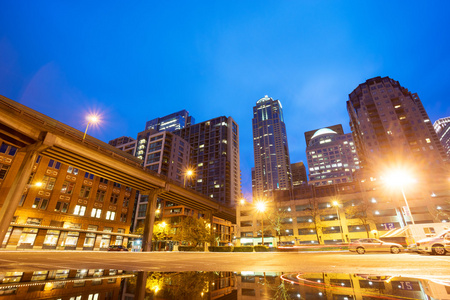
(440, 258)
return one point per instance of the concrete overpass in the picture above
(37, 134)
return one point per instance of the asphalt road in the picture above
(404, 264)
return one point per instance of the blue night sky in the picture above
(137, 60)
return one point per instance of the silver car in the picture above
(362, 246)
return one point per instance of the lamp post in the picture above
(188, 173)
(91, 119)
(261, 207)
(400, 178)
(336, 204)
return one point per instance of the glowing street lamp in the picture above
(188, 173)
(261, 207)
(397, 178)
(336, 204)
(91, 119)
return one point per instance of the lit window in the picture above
(96, 213)
(79, 210)
(110, 215)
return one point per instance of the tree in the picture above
(362, 213)
(162, 231)
(189, 285)
(276, 219)
(313, 211)
(194, 231)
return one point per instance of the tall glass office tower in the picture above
(174, 121)
(270, 146)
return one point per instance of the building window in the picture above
(11, 277)
(72, 170)
(126, 202)
(79, 210)
(54, 164)
(67, 187)
(88, 176)
(110, 215)
(48, 182)
(100, 195)
(118, 185)
(61, 206)
(106, 238)
(40, 203)
(96, 213)
(39, 275)
(114, 198)
(72, 238)
(22, 199)
(142, 211)
(103, 180)
(51, 238)
(8, 149)
(28, 236)
(90, 236)
(123, 217)
(3, 171)
(85, 191)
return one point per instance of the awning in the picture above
(399, 232)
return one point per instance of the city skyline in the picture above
(138, 63)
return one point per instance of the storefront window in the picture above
(119, 238)
(12, 277)
(39, 275)
(8, 233)
(106, 238)
(28, 236)
(51, 238)
(90, 236)
(72, 238)
(96, 273)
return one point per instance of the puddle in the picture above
(97, 284)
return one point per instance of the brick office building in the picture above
(64, 208)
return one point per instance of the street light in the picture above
(336, 204)
(400, 178)
(188, 173)
(91, 119)
(261, 207)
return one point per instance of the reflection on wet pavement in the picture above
(98, 284)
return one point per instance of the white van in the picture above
(439, 244)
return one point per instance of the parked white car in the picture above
(438, 244)
(362, 246)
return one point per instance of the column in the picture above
(15, 192)
(150, 219)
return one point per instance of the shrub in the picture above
(220, 248)
(243, 249)
(190, 248)
(261, 248)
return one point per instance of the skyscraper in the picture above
(299, 176)
(270, 146)
(174, 121)
(391, 127)
(442, 128)
(331, 155)
(210, 148)
(215, 158)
